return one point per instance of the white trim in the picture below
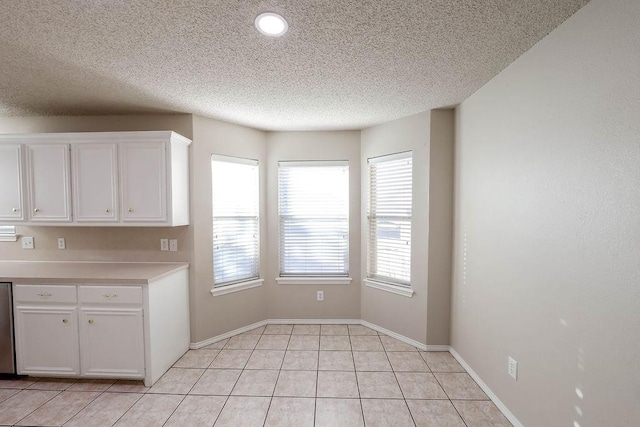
(389, 157)
(314, 321)
(302, 280)
(438, 347)
(388, 287)
(311, 163)
(501, 406)
(392, 334)
(200, 344)
(237, 287)
(231, 159)
(8, 238)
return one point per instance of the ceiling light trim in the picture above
(271, 24)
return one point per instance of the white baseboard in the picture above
(438, 347)
(313, 321)
(501, 406)
(200, 344)
(392, 334)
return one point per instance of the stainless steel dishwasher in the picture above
(7, 351)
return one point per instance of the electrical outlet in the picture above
(512, 369)
(164, 244)
(62, 244)
(173, 245)
(27, 243)
(320, 296)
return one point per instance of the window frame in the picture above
(229, 286)
(373, 279)
(313, 278)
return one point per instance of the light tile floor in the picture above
(278, 375)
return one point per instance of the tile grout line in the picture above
(266, 414)
(39, 406)
(355, 374)
(448, 397)
(404, 399)
(129, 408)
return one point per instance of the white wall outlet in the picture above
(173, 245)
(27, 243)
(164, 244)
(513, 369)
(320, 296)
(62, 244)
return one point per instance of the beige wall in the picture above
(299, 301)
(400, 314)
(212, 316)
(98, 243)
(440, 226)
(547, 237)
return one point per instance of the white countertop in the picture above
(66, 272)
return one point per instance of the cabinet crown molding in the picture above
(95, 137)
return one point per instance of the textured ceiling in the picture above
(342, 65)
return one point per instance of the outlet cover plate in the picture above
(27, 243)
(164, 244)
(173, 245)
(62, 244)
(320, 296)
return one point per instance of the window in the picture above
(236, 253)
(389, 214)
(8, 233)
(314, 218)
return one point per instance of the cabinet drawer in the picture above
(110, 294)
(45, 293)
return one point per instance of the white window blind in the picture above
(236, 253)
(314, 218)
(389, 214)
(8, 233)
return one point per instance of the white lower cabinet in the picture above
(112, 342)
(98, 331)
(47, 340)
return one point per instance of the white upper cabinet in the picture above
(11, 201)
(95, 185)
(95, 179)
(144, 182)
(48, 181)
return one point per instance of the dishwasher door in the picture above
(7, 352)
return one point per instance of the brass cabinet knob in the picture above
(65, 320)
(15, 209)
(91, 321)
(36, 210)
(130, 209)
(107, 210)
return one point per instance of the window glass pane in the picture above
(389, 214)
(236, 233)
(314, 218)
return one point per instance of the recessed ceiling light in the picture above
(271, 24)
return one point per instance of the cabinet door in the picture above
(94, 182)
(143, 182)
(112, 342)
(48, 181)
(47, 340)
(11, 203)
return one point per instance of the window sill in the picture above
(388, 287)
(313, 280)
(236, 287)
